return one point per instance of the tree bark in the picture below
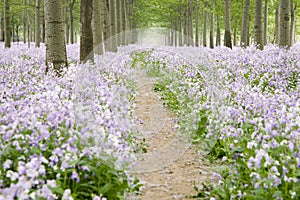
(190, 23)
(212, 21)
(185, 26)
(179, 21)
(43, 28)
(55, 40)
(266, 23)
(113, 25)
(119, 22)
(86, 32)
(284, 38)
(124, 22)
(197, 26)
(204, 26)
(24, 19)
(65, 14)
(1, 30)
(107, 30)
(7, 25)
(97, 28)
(245, 24)
(29, 30)
(71, 8)
(234, 37)
(277, 25)
(227, 36)
(292, 31)
(37, 23)
(258, 28)
(218, 37)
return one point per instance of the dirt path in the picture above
(171, 165)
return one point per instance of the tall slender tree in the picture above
(7, 25)
(212, 21)
(86, 31)
(277, 25)
(292, 28)
(218, 37)
(204, 42)
(54, 36)
(24, 19)
(227, 37)
(258, 24)
(37, 23)
(245, 24)
(284, 38)
(266, 22)
(71, 8)
(197, 25)
(29, 29)
(179, 22)
(190, 22)
(1, 30)
(113, 25)
(97, 28)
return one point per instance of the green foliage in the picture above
(168, 97)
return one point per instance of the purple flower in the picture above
(75, 176)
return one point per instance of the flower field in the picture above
(243, 110)
(72, 137)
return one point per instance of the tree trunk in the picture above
(97, 28)
(13, 33)
(218, 38)
(245, 24)
(113, 25)
(71, 7)
(234, 37)
(197, 26)
(185, 27)
(204, 26)
(227, 36)
(266, 23)
(37, 23)
(292, 31)
(123, 23)
(65, 14)
(258, 28)
(7, 26)
(86, 32)
(1, 30)
(24, 18)
(17, 33)
(119, 22)
(190, 23)
(284, 38)
(277, 25)
(29, 31)
(212, 21)
(107, 24)
(180, 41)
(43, 29)
(55, 40)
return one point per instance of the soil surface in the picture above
(171, 166)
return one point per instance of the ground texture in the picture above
(171, 167)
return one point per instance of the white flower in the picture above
(12, 175)
(7, 164)
(67, 195)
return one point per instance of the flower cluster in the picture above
(247, 101)
(64, 137)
